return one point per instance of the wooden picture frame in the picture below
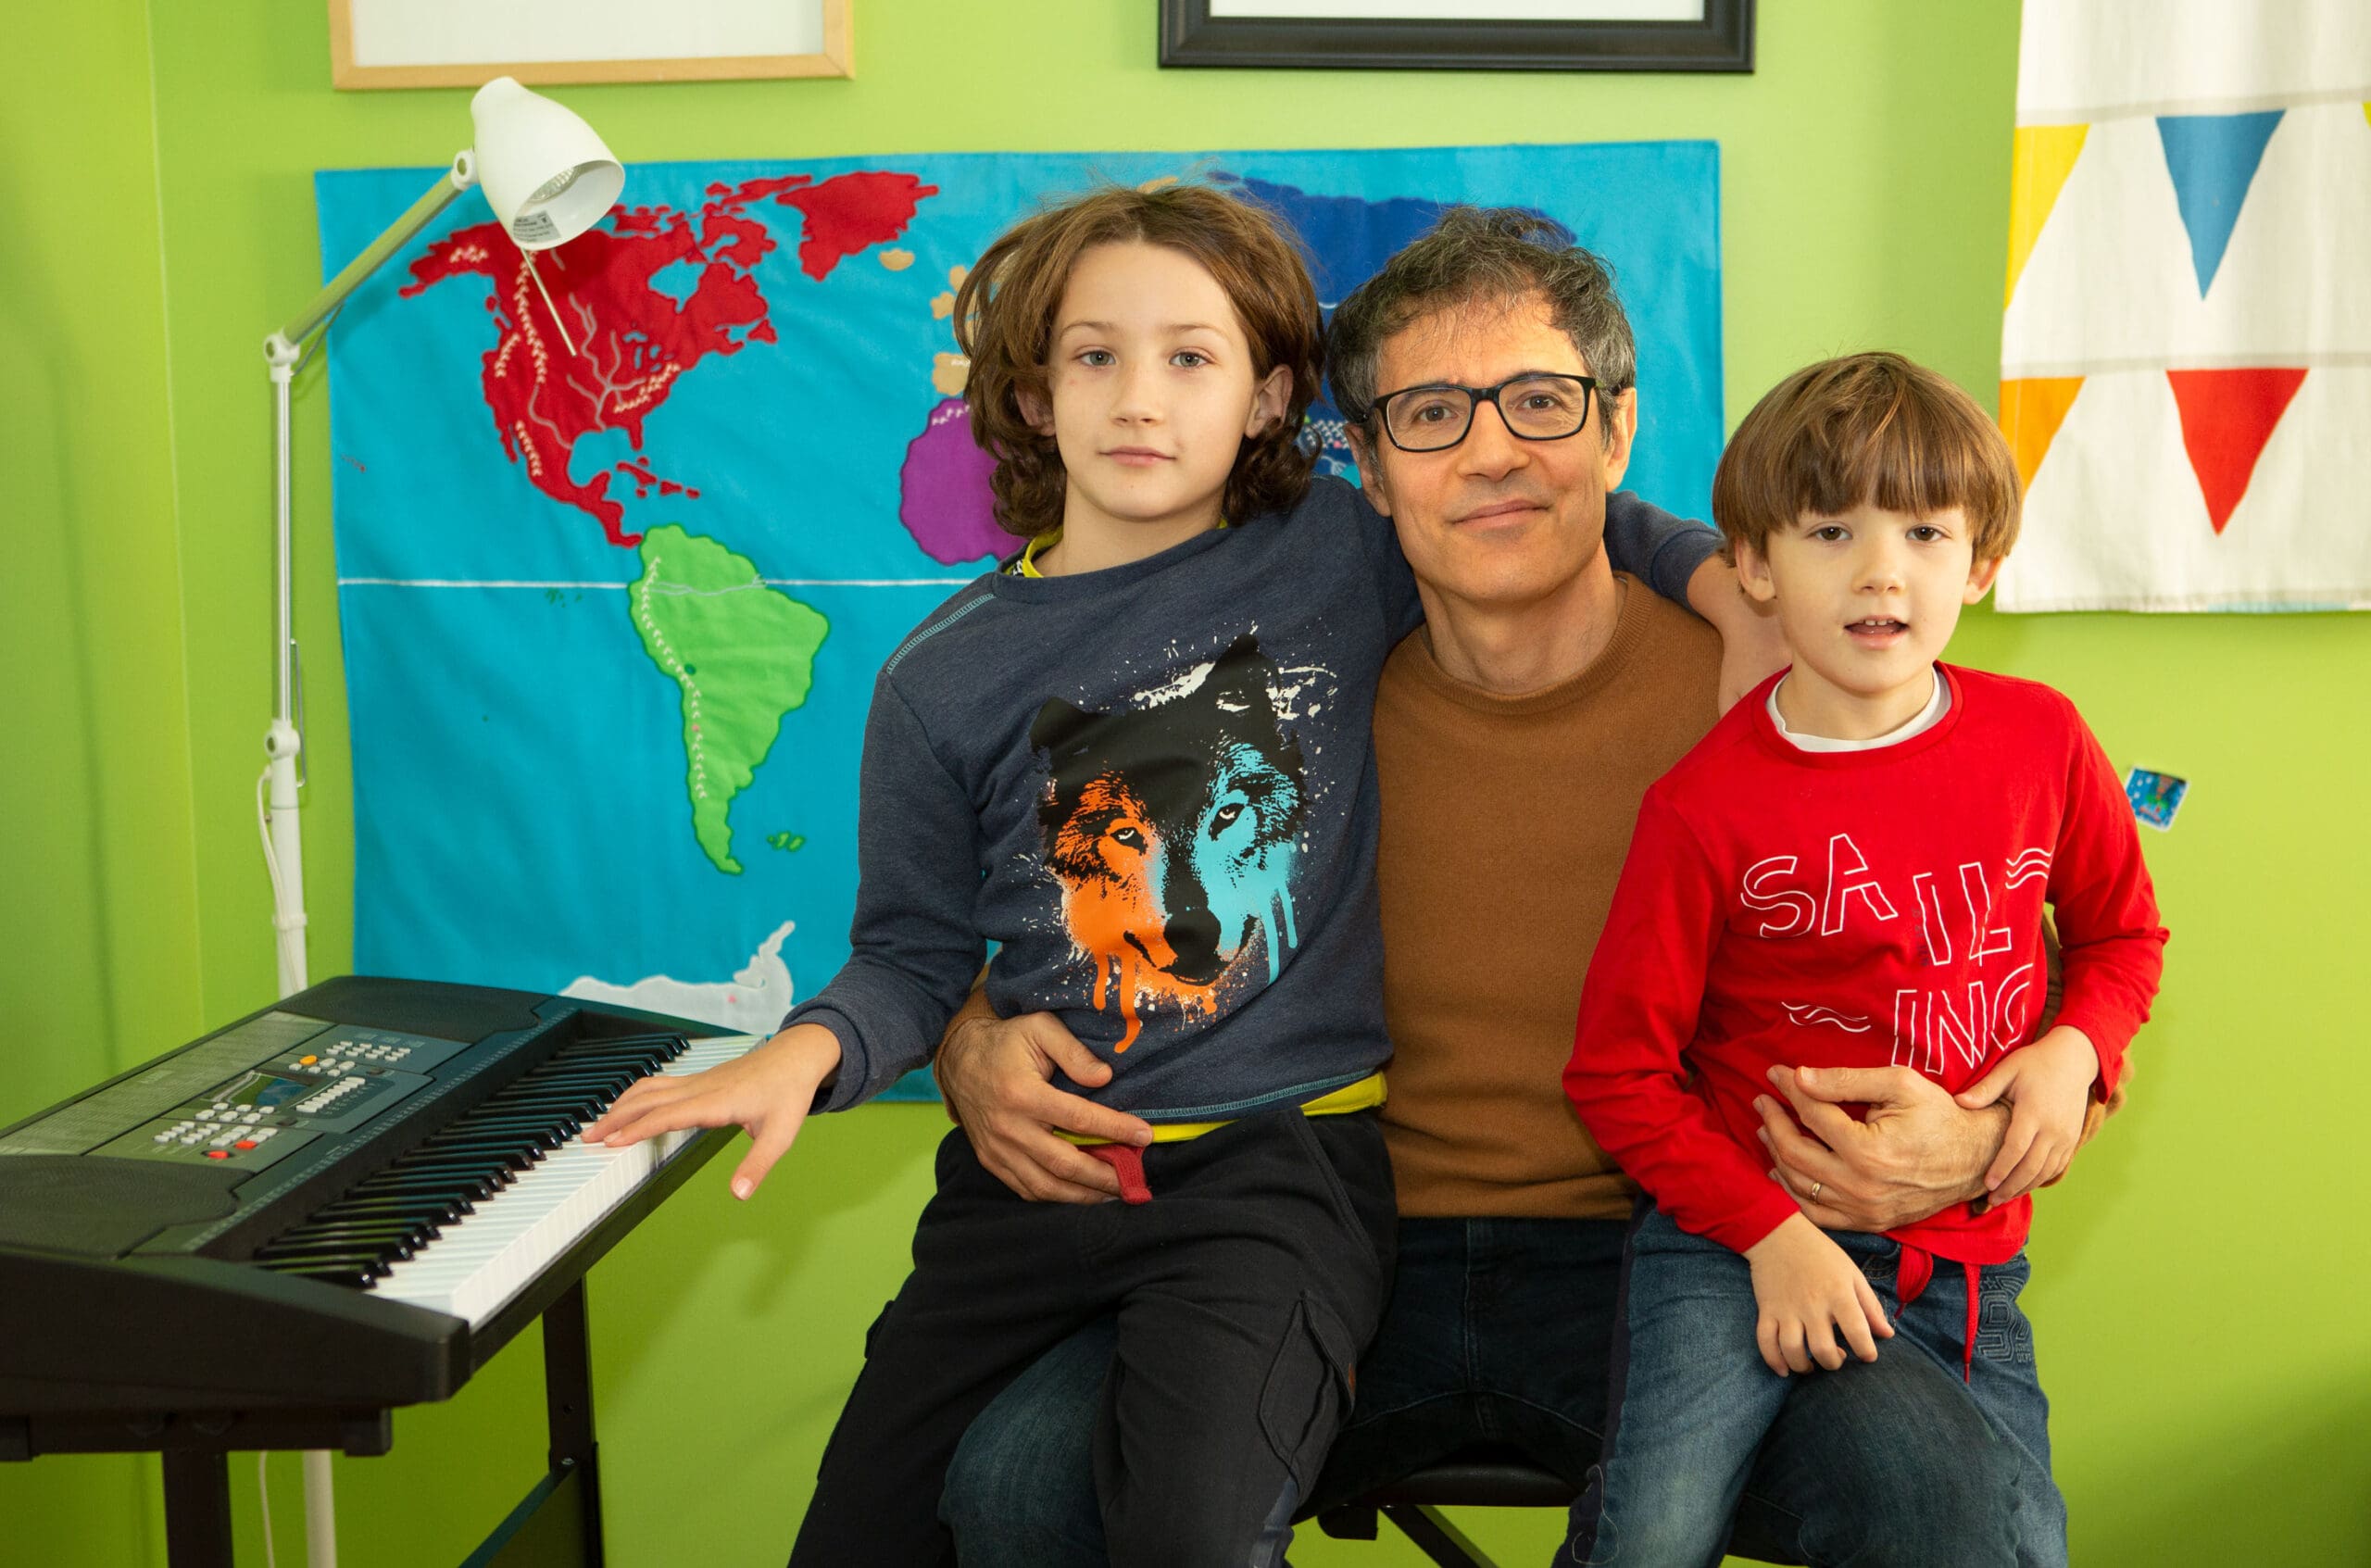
(1720, 38)
(591, 57)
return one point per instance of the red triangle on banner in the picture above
(2227, 418)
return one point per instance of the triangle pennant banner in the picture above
(2031, 412)
(2227, 418)
(2043, 157)
(2213, 160)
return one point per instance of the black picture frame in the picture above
(1723, 41)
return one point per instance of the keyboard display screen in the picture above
(264, 1091)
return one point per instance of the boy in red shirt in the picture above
(1850, 871)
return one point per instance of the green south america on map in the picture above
(742, 656)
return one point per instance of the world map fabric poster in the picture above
(624, 537)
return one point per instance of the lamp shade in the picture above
(545, 173)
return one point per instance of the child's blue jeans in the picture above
(1692, 1398)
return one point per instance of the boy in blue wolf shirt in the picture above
(1138, 759)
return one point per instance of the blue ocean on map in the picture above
(624, 537)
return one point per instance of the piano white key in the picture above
(486, 1257)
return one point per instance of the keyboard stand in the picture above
(557, 1524)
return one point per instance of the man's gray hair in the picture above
(1486, 257)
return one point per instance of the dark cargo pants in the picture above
(1243, 1291)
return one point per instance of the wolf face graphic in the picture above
(1172, 830)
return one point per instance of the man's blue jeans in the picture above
(1692, 1398)
(1500, 1331)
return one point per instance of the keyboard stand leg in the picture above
(197, 1508)
(568, 1396)
(557, 1524)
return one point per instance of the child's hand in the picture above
(1807, 1289)
(769, 1091)
(2048, 1085)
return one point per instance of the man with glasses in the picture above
(1488, 372)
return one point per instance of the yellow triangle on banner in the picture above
(2045, 156)
(2031, 412)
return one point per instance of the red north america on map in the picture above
(632, 338)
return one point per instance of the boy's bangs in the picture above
(1915, 449)
(1904, 459)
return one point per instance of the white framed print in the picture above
(464, 43)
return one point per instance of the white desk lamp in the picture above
(548, 178)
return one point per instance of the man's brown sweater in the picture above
(1505, 823)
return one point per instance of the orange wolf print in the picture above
(1173, 830)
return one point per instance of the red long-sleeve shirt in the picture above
(1856, 909)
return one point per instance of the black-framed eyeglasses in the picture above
(1436, 416)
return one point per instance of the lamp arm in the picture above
(281, 347)
(284, 744)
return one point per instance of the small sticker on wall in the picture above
(2155, 796)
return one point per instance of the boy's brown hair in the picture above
(1866, 429)
(1004, 322)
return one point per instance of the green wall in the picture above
(2198, 1294)
(98, 913)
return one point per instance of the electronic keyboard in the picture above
(343, 1203)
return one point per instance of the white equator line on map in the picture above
(622, 587)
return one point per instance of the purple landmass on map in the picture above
(943, 494)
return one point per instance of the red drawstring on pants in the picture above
(1917, 1271)
(1127, 1162)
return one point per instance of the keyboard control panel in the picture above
(326, 1082)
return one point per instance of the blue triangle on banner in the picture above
(2213, 158)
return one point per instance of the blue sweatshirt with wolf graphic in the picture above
(1153, 788)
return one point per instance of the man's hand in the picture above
(1752, 647)
(2048, 1085)
(768, 1091)
(997, 1074)
(1915, 1154)
(1807, 1290)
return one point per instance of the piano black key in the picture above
(385, 1249)
(559, 1102)
(655, 1050)
(510, 1153)
(492, 1116)
(508, 1158)
(471, 1187)
(334, 1273)
(437, 1210)
(541, 1135)
(584, 1072)
(369, 1265)
(532, 1089)
(491, 1143)
(514, 1115)
(485, 1137)
(418, 1163)
(524, 1120)
(473, 1183)
(355, 1230)
(596, 1072)
(522, 1136)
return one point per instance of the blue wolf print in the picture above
(1173, 828)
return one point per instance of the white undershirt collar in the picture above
(1926, 719)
